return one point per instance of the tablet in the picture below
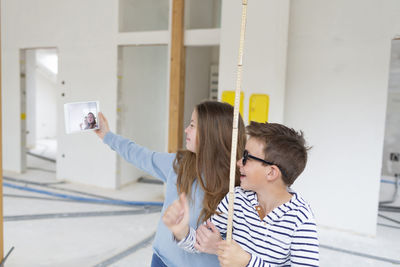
(81, 116)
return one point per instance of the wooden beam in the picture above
(177, 77)
(1, 163)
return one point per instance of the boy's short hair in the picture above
(283, 146)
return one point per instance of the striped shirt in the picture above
(287, 236)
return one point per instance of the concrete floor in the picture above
(72, 234)
(88, 240)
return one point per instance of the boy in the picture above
(272, 225)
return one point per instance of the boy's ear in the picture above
(272, 173)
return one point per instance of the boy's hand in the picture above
(207, 238)
(231, 254)
(176, 217)
(103, 126)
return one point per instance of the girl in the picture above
(91, 121)
(201, 171)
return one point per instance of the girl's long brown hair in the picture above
(211, 164)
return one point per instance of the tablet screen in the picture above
(81, 116)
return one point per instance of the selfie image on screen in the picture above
(81, 116)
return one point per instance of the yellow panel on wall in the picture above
(229, 97)
(258, 110)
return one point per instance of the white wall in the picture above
(197, 78)
(143, 102)
(30, 96)
(202, 14)
(392, 125)
(139, 15)
(264, 60)
(392, 135)
(84, 32)
(337, 80)
(336, 86)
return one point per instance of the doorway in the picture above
(390, 177)
(142, 102)
(38, 74)
(201, 78)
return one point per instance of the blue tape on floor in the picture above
(388, 182)
(84, 199)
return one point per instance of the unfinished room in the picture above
(200, 133)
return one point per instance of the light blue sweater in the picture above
(160, 165)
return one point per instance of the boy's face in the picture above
(253, 174)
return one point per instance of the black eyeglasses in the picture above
(246, 156)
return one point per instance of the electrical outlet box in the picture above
(395, 156)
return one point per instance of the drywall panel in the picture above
(84, 32)
(202, 37)
(143, 102)
(337, 83)
(11, 109)
(197, 78)
(143, 38)
(139, 15)
(30, 96)
(203, 14)
(264, 59)
(391, 148)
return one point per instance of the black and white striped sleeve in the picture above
(304, 250)
(189, 241)
(220, 219)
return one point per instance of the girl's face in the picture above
(191, 133)
(90, 118)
